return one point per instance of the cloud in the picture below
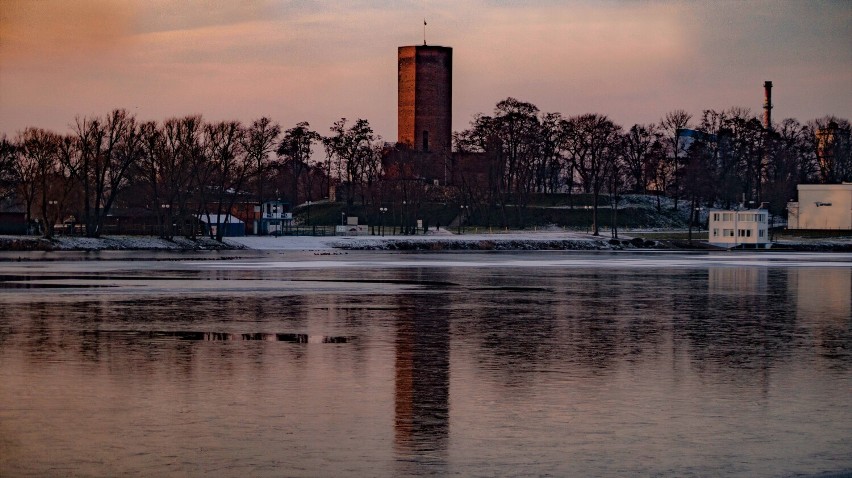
(320, 60)
(58, 28)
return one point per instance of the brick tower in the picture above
(425, 105)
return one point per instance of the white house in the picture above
(739, 228)
(821, 206)
(273, 217)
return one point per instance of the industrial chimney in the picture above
(767, 105)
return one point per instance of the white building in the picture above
(273, 217)
(821, 206)
(744, 228)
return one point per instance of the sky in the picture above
(318, 61)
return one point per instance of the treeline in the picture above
(177, 170)
(719, 159)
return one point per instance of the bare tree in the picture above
(525, 148)
(788, 164)
(168, 161)
(831, 140)
(223, 148)
(296, 148)
(39, 154)
(8, 158)
(108, 148)
(258, 143)
(640, 143)
(551, 169)
(671, 126)
(354, 151)
(593, 142)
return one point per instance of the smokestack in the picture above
(767, 105)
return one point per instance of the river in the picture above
(391, 364)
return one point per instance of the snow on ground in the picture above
(441, 240)
(77, 243)
(311, 243)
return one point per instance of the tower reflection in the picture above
(422, 389)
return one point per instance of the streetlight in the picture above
(383, 210)
(461, 218)
(402, 226)
(166, 208)
(52, 219)
(274, 221)
(308, 221)
(695, 220)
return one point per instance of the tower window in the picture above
(426, 141)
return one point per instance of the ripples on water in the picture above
(558, 364)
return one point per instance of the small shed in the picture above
(231, 226)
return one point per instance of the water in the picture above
(381, 364)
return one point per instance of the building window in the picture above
(728, 232)
(426, 141)
(715, 232)
(715, 216)
(761, 233)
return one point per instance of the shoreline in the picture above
(442, 241)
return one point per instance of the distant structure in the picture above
(767, 105)
(739, 228)
(821, 207)
(425, 108)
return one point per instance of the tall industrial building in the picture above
(425, 106)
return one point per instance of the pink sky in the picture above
(313, 61)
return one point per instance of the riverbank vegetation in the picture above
(541, 169)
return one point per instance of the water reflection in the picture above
(225, 336)
(422, 379)
(556, 371)
(824, 308)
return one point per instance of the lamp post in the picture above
(52, 216)
(382, 211)
(695, 219)
(461, 218)
(308, 220)
(275, 219)
(166, 217)
(402, 226)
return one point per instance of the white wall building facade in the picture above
(744, 228)
(821, 207)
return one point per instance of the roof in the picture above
(842, 187)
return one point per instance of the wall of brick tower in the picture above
(406, 90)
(425, 104)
